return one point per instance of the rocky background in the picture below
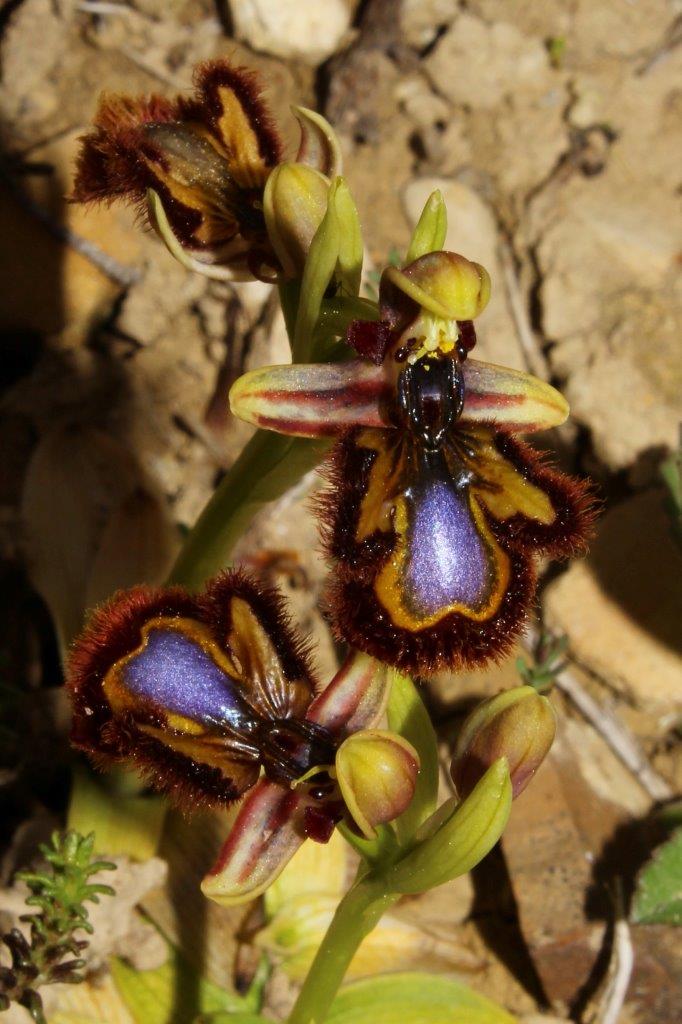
(553, 131)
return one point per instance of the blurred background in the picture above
(554, 132)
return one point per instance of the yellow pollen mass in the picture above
(430, 334)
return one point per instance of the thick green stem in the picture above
(269, 465)
(356, 916)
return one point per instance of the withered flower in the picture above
(199, 165)
(435, 508)
(212, 697)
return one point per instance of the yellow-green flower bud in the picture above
(518, 725)
(377, 772)
(294, 203)
(444, 284)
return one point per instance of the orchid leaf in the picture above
(658, 896)
(414, 998)
(408, 716)
(175, 991)
(431, 229)
(461, 841)
(124, 822)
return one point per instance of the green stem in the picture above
(356, 915)
(268, 466)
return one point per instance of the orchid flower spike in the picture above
(213, 698)
(198, 167)
(435, 509)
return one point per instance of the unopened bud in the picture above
(518, 725)
(443, 283)
(377, 773)
(294, 204)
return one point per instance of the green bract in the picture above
(461, 840)
(432, 227)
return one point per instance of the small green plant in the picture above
(549, 661)
(52, 953)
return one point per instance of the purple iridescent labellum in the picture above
(446, 561)
(179, 675)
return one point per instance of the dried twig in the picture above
(620, 967)
(114, 270)
(609, 726)
(528, 340)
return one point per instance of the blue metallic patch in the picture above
(447, 562)
(179, 676)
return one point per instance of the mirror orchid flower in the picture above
(198, 167)
(435, 510)
(212, 697)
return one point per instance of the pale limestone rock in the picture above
(291, 29)
(480, 65)
(611, 297)
(420, 20)
(472, 231)
(620, 607)
(421, 104)
(513, 100)
(36, 28)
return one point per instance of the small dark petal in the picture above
(33, 1003)
(17, 945)
(65, 972)
(467, 338)
(370, 339)
(320, 822)
(8, 978)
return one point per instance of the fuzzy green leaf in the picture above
(408, 716)
(432, 227)
(414, 998)
(658, 897)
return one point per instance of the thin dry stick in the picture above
(620, 967)
(530, 345)
(118, 272)
(609, 727)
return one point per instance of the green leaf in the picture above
(414, 998)
(462, 839)
(432, 227)
(671, 471)
(123, 824)
(173, 992)
(227, 1018)
(408, 716)
(658, 897)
